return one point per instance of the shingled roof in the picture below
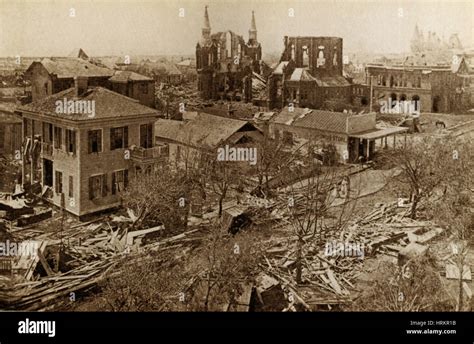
(126, 76)
(315, 119)
(108, 104)
(66, 68)
(204, 130)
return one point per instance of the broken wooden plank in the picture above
(333, 282)
(452, 272)
(45, 264)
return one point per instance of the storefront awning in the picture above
(379, 132)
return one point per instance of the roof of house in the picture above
(161, 67)
(203, 130)
(126, 76)
(65, 68)
(78, 52)
(7, 114)
(314, 119)
(108, 104)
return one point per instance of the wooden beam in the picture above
(45, 264)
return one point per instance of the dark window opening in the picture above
(118, 138)
(94, 141)
(59, 182)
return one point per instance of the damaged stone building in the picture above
(310, 72)
(225, 63)
(432, 88)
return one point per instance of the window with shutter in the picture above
(71, 187)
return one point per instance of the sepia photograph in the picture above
(225, 156)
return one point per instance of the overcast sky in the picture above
(45, 28)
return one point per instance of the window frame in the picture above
(58, 182)
(113, 139)
(100, 141)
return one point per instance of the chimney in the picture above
(80, 85)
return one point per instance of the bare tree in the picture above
(274, 159)
(420, 165)
(309, 201)
(157, 198)
(414, 287)
(229, 264)
(454, 209)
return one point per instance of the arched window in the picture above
(305, 56)
(416, 100)
(293, 52)
(321, 60)
(228, 44)
(334, 59)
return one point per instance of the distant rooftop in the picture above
(66, 68)
(125, 76)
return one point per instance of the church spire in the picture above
(253, 28)
(206, 29)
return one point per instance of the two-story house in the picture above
(53, 75)
(82, 158)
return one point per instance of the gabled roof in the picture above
(220, 38)
(78, 52)
(108, 104)
(65, 68)
(203, 130)
(126, 76)
(315, 119)
(301, 74)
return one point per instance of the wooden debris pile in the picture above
(92, 250)
(331, 268)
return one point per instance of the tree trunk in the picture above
(299, 257)
(221, 199)
(414, 205)
(461, 270)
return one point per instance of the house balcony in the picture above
(149, 155)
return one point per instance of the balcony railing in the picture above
(148, 154)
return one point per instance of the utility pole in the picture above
(371, 93)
